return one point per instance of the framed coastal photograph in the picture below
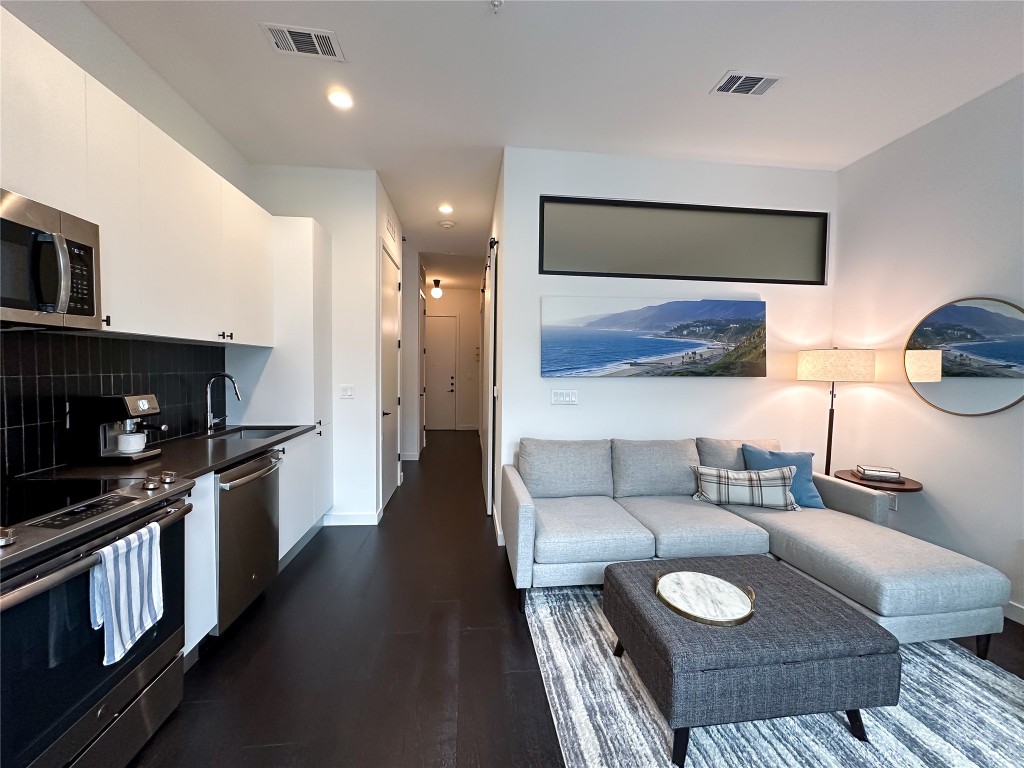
(601, 336)
(978, 338)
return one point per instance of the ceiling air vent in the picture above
(303, 41)
(745, 83)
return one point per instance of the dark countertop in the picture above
(190, 457)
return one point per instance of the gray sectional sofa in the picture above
(571, 507)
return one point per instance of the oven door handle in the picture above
(63, 271)
(68, 572)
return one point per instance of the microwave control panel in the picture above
(83, 293)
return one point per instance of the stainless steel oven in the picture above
(59, 704)
(49, 266)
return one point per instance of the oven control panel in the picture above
(82, 512)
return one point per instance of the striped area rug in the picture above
(955, 710)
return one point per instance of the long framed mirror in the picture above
(967, 357)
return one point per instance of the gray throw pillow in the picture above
(654, 467)
(728, 454)
(558, 468)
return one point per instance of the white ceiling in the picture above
(440, 87)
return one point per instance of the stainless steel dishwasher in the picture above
(247, 519)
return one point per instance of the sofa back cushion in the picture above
(557, 468)
(728, 454)
(654, 467)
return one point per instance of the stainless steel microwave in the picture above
(49, 265)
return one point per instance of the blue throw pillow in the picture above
(803, 489)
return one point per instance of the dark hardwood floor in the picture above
(392, 646)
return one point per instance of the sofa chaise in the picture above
(569, 508)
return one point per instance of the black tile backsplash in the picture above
(40, 370)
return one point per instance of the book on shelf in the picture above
(870, 470)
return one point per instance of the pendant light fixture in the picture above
(436, 291)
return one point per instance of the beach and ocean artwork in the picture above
(978, 338)
(594, 336)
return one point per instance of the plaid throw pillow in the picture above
(768, 488)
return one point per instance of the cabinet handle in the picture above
(106, 321)
(222, 335)
(319, 422)
(320, 433)
(231, 335)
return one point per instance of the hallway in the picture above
(391, 646)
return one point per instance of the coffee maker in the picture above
(111, 428)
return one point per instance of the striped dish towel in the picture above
(126, 591)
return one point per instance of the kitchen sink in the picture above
(248, 433)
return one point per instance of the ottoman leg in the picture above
(981, 644)
(619, 650)
(856, 724)
(680, 742)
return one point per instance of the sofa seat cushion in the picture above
(654, 467)
(587, 529)
(886, 571)
(683, 527)
(562, 468)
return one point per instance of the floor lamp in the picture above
(834, 365)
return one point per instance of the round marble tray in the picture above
(705, 599)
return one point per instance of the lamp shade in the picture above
(835, 365)
(923, 364)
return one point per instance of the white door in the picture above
(441, 345)
(422, 357)
(390, 323)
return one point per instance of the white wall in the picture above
(934, 217)
(412, 350)
(463, 304)
(797, 315)
(345, 202)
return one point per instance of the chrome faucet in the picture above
(210, 421)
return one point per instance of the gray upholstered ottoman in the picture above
(803, 652)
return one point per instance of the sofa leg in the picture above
(981, 645)
(680, 741)
(856, 724)
(522, 601)
(619, 650)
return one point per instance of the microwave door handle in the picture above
(49, 581)
(63, 272)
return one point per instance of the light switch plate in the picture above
(348, 392)
(564, 397)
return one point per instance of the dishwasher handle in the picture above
(274, 466)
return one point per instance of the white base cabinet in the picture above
(298, 491)
(201, 562)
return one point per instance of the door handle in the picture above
(451, 390)
(385, 413)
(63, 272)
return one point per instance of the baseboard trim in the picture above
(353, 518)
(410, 456)
(467, 428)
(1014, 612)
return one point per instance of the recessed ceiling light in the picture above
(339, 98)
(445, 208)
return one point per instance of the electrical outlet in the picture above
(348, 392)
(564, 397)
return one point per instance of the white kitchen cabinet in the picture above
(324, 476)
(201, 562)
(43, 130)
(179, 262)
(247, 277)
(113, 179)
(297, 500)
(323, 401)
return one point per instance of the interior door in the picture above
(390, 323)
(442, 345)
(422, 357)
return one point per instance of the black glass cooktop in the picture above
(25, 499)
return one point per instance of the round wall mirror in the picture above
(967, 357)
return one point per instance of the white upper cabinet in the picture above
(247, 279)
(180, 260)
(113, 179)
(322, 325)
(42, 133)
